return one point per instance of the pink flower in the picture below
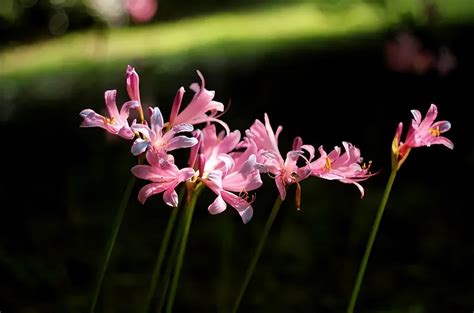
(226, 172)
(117, 123)
(164, 178)
(285, 171)
(142, 11)
(345, 167)
(407, 54)
(158, 141)
(422, 132)
(201, 109)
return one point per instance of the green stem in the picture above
(161, 255)
(256, 256)
(112, 239)
(182, 248)
(171, 260)
(373, 234)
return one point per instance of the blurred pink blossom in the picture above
(141, 11)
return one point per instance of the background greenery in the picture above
(317, 68)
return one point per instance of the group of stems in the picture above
(176, 255)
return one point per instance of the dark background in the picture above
(61, 185)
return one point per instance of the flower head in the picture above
(157, 140)
(117, 122)
(286, 171)
(226, 172)
(201, 109)
(164, 178)
(421, 132)
(345, 167)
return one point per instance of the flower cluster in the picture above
(227, 163)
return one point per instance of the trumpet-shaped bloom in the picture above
(117, 122)
(225, 172)
(345, 167)
(154, 138)
(201, 109)
(285, 170)
(422, 132)
(164, 178)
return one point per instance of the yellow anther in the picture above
(109, 121)
(366, 166)
(435, 131)
(328, 164)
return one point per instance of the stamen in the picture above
(108, 121)
(298, 196)
(367, 166)
(435, 131)
(328, 164)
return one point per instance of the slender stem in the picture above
(171, 259)
(373, 234)
(182, 248)
(161, 254)
(256, 256)
(111, 243)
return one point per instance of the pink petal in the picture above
(244, 208)
(110, 96)
(171, 197)
(149, 190)
(139, 146)
(126, 107)
(176, 105)
(444, 141)
(143, 172)
(156, 120)
(218, 206)
(181, 142)
(133, 81)
(443, 126)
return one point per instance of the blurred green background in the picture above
(325, 70)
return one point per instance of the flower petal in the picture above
(139, 146)
(218, 206)
(181, 142)
(171, 197)
(150, 190)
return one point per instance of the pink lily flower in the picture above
(422, 132)
(201, 109)
(345, 167)
(117, 123)
(159, 142)
(226, 172)
(284, 170)
(164, 178)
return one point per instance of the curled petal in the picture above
(171, 197)
(181, 142)
(150, 190)
(139, 146)
(244, 208)
(176, 105)
(218, 206)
